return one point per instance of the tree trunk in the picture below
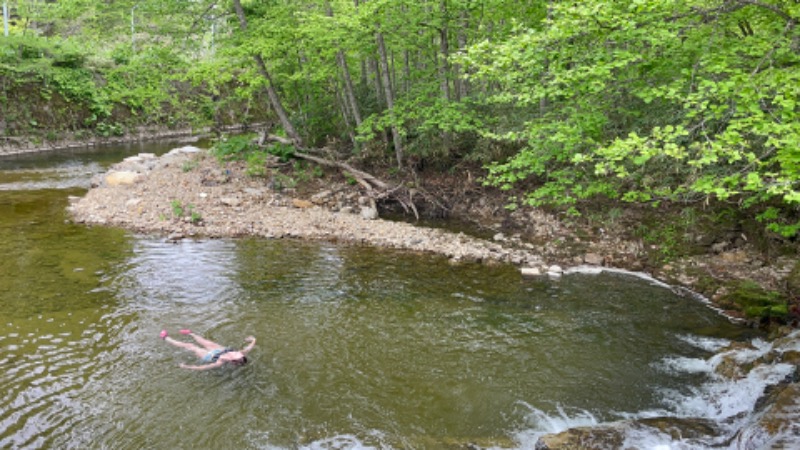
(387, 88)
(274, 99)
(341, 100)
(349, 92)
(444, 49)
(348, 87)
(376, 82)
(543, 101)
(406, 71)
(461, 84)
(444, 68)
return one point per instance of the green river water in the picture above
(357, 347)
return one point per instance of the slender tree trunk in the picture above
(444, 49)
(461, 84)
(374, 71)
(406, 71)
(543, 102)
(341, 99)
(387, 88)
(444, 67)
(348, 87)
(376, 82)
(349, 92)
(393, 72)
(274, 99)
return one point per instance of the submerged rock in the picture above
(772, 421)
(777, 426)
(615, 436)
(589, 438)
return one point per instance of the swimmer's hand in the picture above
(252, 342)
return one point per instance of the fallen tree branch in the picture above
(376, 188)
(368, 181)
(344, 166)
(361, 176)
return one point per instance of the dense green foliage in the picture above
(654, 100)
(649, 101)
(79, 67)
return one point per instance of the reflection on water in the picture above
(357, 347)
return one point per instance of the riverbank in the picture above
(188, 193)
(13, 145)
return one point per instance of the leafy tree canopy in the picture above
(639, 100)
(652, 100)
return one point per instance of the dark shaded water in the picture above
(357, 347)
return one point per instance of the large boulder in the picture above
(117, 178)
(778, 424)
(613, 436)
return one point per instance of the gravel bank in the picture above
(187, 193)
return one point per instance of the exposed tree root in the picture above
(376, 189)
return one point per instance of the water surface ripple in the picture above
(357, 347)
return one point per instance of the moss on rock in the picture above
(756, 302)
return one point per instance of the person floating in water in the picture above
(211, 353)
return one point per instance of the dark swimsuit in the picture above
(213, 355)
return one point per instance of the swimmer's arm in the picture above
(250, 346)
(203, 367)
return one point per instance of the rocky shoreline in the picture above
(188, 193)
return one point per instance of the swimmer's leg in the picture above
(210, 345)
(200, 352)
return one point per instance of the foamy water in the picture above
(729, 403)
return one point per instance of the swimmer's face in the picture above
(239, 362)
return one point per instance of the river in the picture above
(357, 347)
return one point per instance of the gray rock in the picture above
(117, 178)
(555, 271)
(321, 197)
(369, 213)
(531, 271)
(230, 201)
(719, 247)
(593, 259)
(186, 149)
